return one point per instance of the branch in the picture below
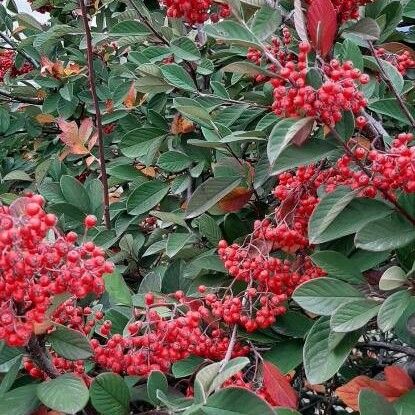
(24, 100)
(390, 85)
(98, 119)
(388, 346)
(40, 357)
(14, 46)
(365, 170)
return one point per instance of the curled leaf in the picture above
(78, 140)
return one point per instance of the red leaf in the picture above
(396, 384)
(322, 25)
(398, 378)
(278, 387)
(235, 200)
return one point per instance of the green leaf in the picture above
(10, 377)
(230, 369)
(285, 132)
(139, 141)
(67, 393)
(349, 220)
(209, 229)
(337, 265)
(372, 403)
(286, 355)
(365, 29)
(22, 400)
(247, 68)
(209, 193)
(330, 206)
(17, 175)
(186, 367)
(345, 127)
(293, 324)
(320, 361)
(293, 156)
(156, 381)
(353, 316)
(174, 161)
(391, 232)
(117, 288)
(192, 110)
(392, 73)
(323, 295)
(175, 75)
(265, 22)
(236, 401)
(74, 193)
(110, 394)
(203, 380)
(391, 108)
(392, 309)
(184, 48)
(146, 196)
(4, 120)
(176, 242)
(232, 32)
(394, 277)
(405, 404)
(129, 28)
(69, 343)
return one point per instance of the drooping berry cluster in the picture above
(293, 96)
(402, 61)
(155, 343)
(271, 280)
(388, 171)
(36, 263)
(196, 11)
(7, 65)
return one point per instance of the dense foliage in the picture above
(207, 207)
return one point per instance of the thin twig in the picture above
(365, 170)
(231, 346)
(391, 86)
(14, 46)
(98, 119)
(24, 100)
(388, 346)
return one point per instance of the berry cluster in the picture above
(196, 11)
(277, 49)
(271, 280)
(76, 367)
(82, 319)
(294, 97)
(7, 65)
(389, 171)
(402, 61)
(155, 342)
(34, 267)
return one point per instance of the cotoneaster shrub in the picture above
(207, 207)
